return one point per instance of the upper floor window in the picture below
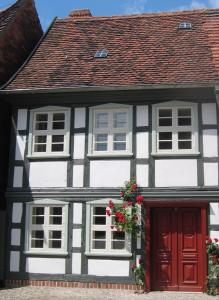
(175, 128)
(46, 226)
(49, 132)
(110, 131)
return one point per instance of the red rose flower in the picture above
(216, 240)
(129, 203)
(124, 205)
(139, 261)
(134, 187)
(108, 212)
(112, 226)
(122, 194)
(139, 199)
(111, 204)
(209, 241)
(133, 266)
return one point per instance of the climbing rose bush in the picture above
(126, 217)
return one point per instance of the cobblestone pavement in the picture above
(47, 293)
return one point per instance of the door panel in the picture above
(176, 249)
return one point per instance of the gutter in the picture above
(85, 88)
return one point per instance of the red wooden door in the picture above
(176, 249)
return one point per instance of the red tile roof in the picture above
(143, 49)
(20, 31)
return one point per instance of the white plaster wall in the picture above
(142, 115)
(14, 261)
(100, 267)
(214, 213)
(175, 172)
(214, 234)
(20, 147)
(80, 117)
(79, 145)
(109, 173)
(45, 265)
(22, 119)
(17, 211)
(18, 177)
(142, 175)
(142, 145)
(77, 213)
(211, 174)
(76, 242)
(210, 143)
(209, 113)
(15, 237)
(48, 174)
(76, 263)
(78, 176)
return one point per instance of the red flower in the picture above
(122, 194)
(111, 204)
(139, 261)
(112, 226)
(124, 205)
(134, 187)
(129, 203)
(108, 212)
(216, 240)
(209, 241)
(139, 199)
(133, 266)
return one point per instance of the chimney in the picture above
(80, 13)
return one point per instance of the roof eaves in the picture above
(29, 57)
(108, 88)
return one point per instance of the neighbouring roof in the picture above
(20, 31)
(142, 49)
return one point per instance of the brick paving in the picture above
(51, 293)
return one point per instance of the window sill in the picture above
(175, 154)
(110, 254)
(102, 155)
(44, 157)
(39, 253)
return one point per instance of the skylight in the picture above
(101, 53)
(185, 25)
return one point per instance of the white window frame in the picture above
(104, 252)
(47, 203)
(174, 105)
(49, 132)
(110, 108)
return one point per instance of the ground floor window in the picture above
(46, 226)
(102, 236)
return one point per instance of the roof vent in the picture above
(80, 13)
(185, 25)
(101, 53)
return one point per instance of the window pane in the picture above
(55, 211)
(165, 145)
(40, 143)
(99, 220)
(101, 137)
(37, 220)
(120, 120)
(99, 235)
(37, 234)
(185, 145)
(185, 135)
(100, 211)
(101, 120)
(165, 136)
(165, 117)
(38, 210)
(184, 117)
(41, 122)
(55, 234)
(58, 121)
(36, 243)
(119, 146)
(118, 235)
(182, 112)
(54, 244)
(58, 143)
(120, 137)
(119, 245)
(99, 244)
(37, 215)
